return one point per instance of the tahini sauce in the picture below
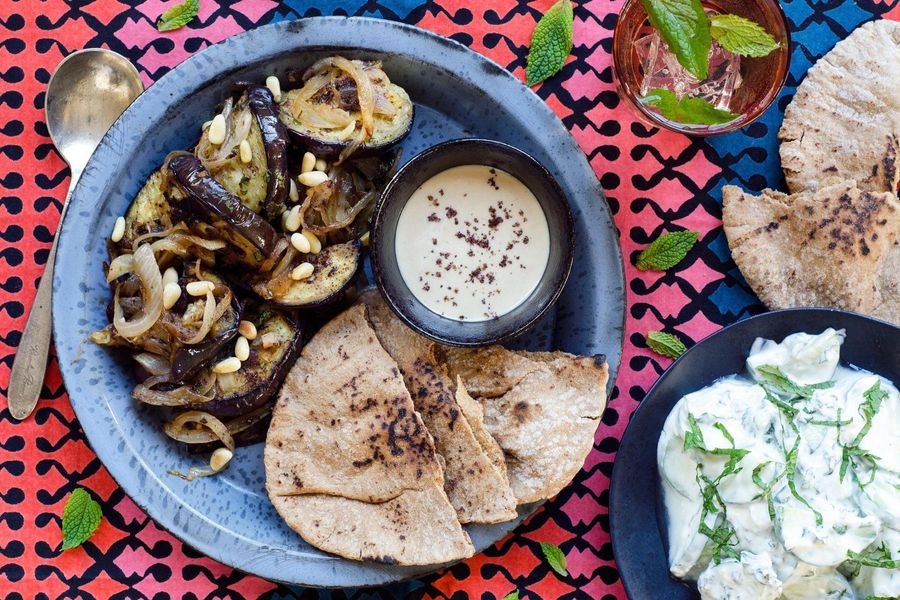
(472, 243)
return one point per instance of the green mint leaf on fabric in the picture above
(555, 558)
(741, 36)
(665, 344)
(689, 111)
(178, 16)
(684, 26)
(551, 43)
(513, 595)
(667, 250)
(81, 517)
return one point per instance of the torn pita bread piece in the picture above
(544, 417)
(349, 463)
(476, 485)
(838, 247)
(845, 117)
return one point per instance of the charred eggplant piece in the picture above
(332, 117)
(221, 209)
(275, 141)
(333, 270)
(272, 353)
(150, 210)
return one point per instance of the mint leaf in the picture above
(665, 344)
(693, 438)
(667, 250)
(684, 26)
(81, 517)
(741, 36)
(513, 595)
(555, 558)
(690, 111)
(178, 16)
(551, 43)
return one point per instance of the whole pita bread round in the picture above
(838, 246)
(845, 117)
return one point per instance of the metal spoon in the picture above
(86, 94)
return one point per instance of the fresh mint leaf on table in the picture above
(665, 344)
(81, 517)
(551, 43)
(690, 111)
(684, 26)
(513, 595)
(667, 250)
(178, 16)
(555, 558)
(741, 36)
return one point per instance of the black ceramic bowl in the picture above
(636, 512)
(384, 226)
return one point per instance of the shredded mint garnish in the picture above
(874, 396)
(878, 558)
(766, 487)
(775, 380)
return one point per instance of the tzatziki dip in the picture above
(784, 482)
(472, 243)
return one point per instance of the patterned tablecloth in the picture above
(655, 181)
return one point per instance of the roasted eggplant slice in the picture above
(333, 270)
(221, 209)
(275, 141)
(272, 354)
(347, 107)
(149, 211)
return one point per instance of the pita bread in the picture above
(838, 246)
(349, 463)
(544, 419)
(478, 489)
(845, 117)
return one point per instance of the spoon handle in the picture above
(30, 361)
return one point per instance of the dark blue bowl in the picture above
(636, 515)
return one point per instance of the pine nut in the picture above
(229, 365)
(118, 231)
(274, 86)
(269, 339)
(217, 130)
(247, 329)
(199, 288)
(246, 152)
(292, 221)
(300, 243)
(315, 245)
(171, 294)
(364, 239)
(302, 271)
(293, 193)
(220, 458)
(321, 165)
(312, 178)
(170, 276)
(242, 349)
(308, 163)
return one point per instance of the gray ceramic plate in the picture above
(458, 93)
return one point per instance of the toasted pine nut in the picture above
(171, 294)
(274, 86)
(269, 339)
(199, 288)
(315, 245)
(364, 239)
(217, 130)
(246, 152)
(242, 349)
(300, 243)
(292, 220)
(229, 365)
(308, 163)
(247, 329)
(293, 193)
(302, 271)
(170, 276)
(312, 178)
(118, 231)
(220, 458)
(321, 165)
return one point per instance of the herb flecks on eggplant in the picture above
(334, 269)
(219, 207)
(275, 140)
(347, 107)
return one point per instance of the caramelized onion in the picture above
(209, 311)
(151, 292)
(211, 429)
